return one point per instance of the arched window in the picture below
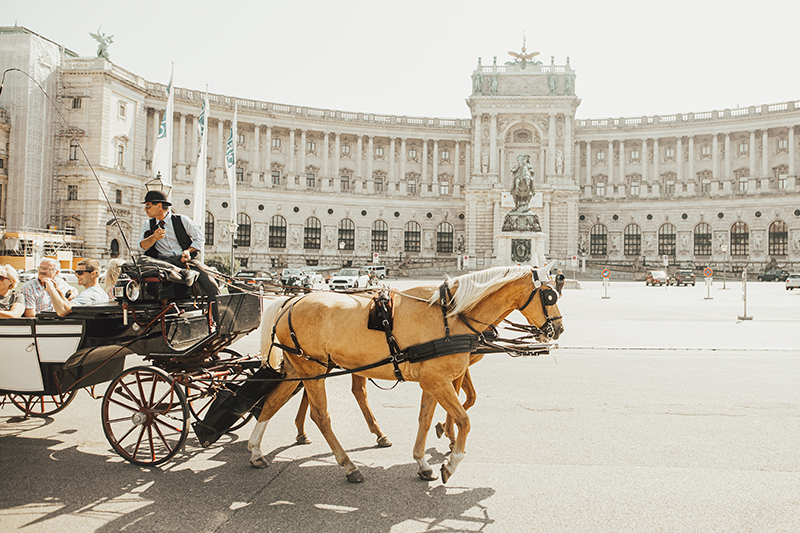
(347, 235)
(209, 229)
(598, 240)
(411, 238)
(444, 238)
(243, 232)
(114, 248)
(740, 238)
(380, 236)
(277, 232)
(633, 240)
(312, 234)
(666, 240)
(778, 238)
(702, 239)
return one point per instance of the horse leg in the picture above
(426, 409)
(318, 401)
(359, 390)
(300, 421)
(446, 396)
(276, 399)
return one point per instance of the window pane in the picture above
(277, 232)
(778, 238)
(598, 240)
(312, 234)
(702, 239)
(380, 236)
(209, 229)
(347, 235)
(243, 232)
(411, 241)
(444, 238)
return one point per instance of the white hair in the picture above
(52, 262)
(11, 273)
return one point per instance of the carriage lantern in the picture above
(156, 184)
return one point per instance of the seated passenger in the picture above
(12, 304)
(37, 299)
(88, 273)
(112, 275)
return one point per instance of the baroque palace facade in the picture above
(328, 187)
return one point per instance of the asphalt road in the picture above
(660, 411)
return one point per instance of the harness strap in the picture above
(395, 354)
(444, 298)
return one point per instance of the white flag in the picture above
(201, 169)
(162, 154)
(230, 162)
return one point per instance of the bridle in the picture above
(548, 296)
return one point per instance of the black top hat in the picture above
(156, 197)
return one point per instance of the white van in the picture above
(379, 270)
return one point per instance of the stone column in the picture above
(611, 179)
(370, 157)
(679, 162)
(467, 159)
(359, 173)
(326, 167)
(727, 167)
(645, 165)
(303, 149)
(403, 158)
(715, 157)
(337, 153)
(551, 145)
(692, 175)
(255, 156)
(622, 163)
(456, 161)
(764, 153)
(435, 170)
(268, 156)
(792, 149)
(476, 146)
(587, 180)
(542, 169)
(219, 157)
(656, 161)
(390, 176)
(753, 170)
(568, 145)
(291, 159)
(424, 177)
(493, 143)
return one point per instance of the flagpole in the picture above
(230, 163)
(201, 169)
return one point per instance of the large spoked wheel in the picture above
(42, 406)
(200, 398)
(145, 417)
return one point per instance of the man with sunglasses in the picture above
(88, 273)
(37, 299)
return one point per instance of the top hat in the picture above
(156, 197)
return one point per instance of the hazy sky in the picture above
(415, 57)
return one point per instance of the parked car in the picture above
(683, 277)
(69, 275)
(252, 280)
(290, 273)
(656, 277)
(349, 278)
(773, 275)
(379, 270)
(793, 282)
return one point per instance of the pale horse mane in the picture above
(271, 356)
(473, 287)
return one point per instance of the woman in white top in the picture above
(12, 304)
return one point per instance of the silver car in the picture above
(793, 282)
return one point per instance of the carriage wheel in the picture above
(200, 401)
(145, 418)
(42, 406)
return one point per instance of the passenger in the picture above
(88, 273)
(175, 239)
(112, 275)
(37, 299)
(12, 304)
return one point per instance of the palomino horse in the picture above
(320, 330)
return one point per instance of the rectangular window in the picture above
(412, 187)
(276, 177)
(600, 189)
(782, 181)
(669, 188)
(705, 150)
(744, 148)
(76, 102)
(379, 184)
(311, 147)
(119, 196)
(122, 110)
(705, 186)
(411, 243)
(445, 155)
(311, 181)
(412, 153)
(344, 183)
(743, 185)
(239, 175)
(72, 192)
(120, 156)
(634, 189)
(240, 138)
(601, 156)
(379, 151)
(634, 154)
(783, 144)
(444, 188)
(276, 142)
(2, 163)
(669, 152)
(345, 149)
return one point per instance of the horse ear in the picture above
(544, 272)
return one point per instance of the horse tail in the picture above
(271, 355)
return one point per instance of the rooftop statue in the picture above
(477, 79)
(523, 58)
(102, 47)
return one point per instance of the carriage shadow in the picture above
(47, 483)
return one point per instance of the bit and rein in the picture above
(486, 340)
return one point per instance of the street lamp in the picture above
(724, 249)
(232, 227)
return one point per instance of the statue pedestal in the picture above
(523, 247)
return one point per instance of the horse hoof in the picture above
(260, 462)
(384, 442)
(439, 430)
(427, 475)
(445, 474)
(355, 476)
(302, 439)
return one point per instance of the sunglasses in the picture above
(79, 272)
(3, 278)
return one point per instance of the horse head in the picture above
(540, 308)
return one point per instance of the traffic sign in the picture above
(707, 272)
(606, 274)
